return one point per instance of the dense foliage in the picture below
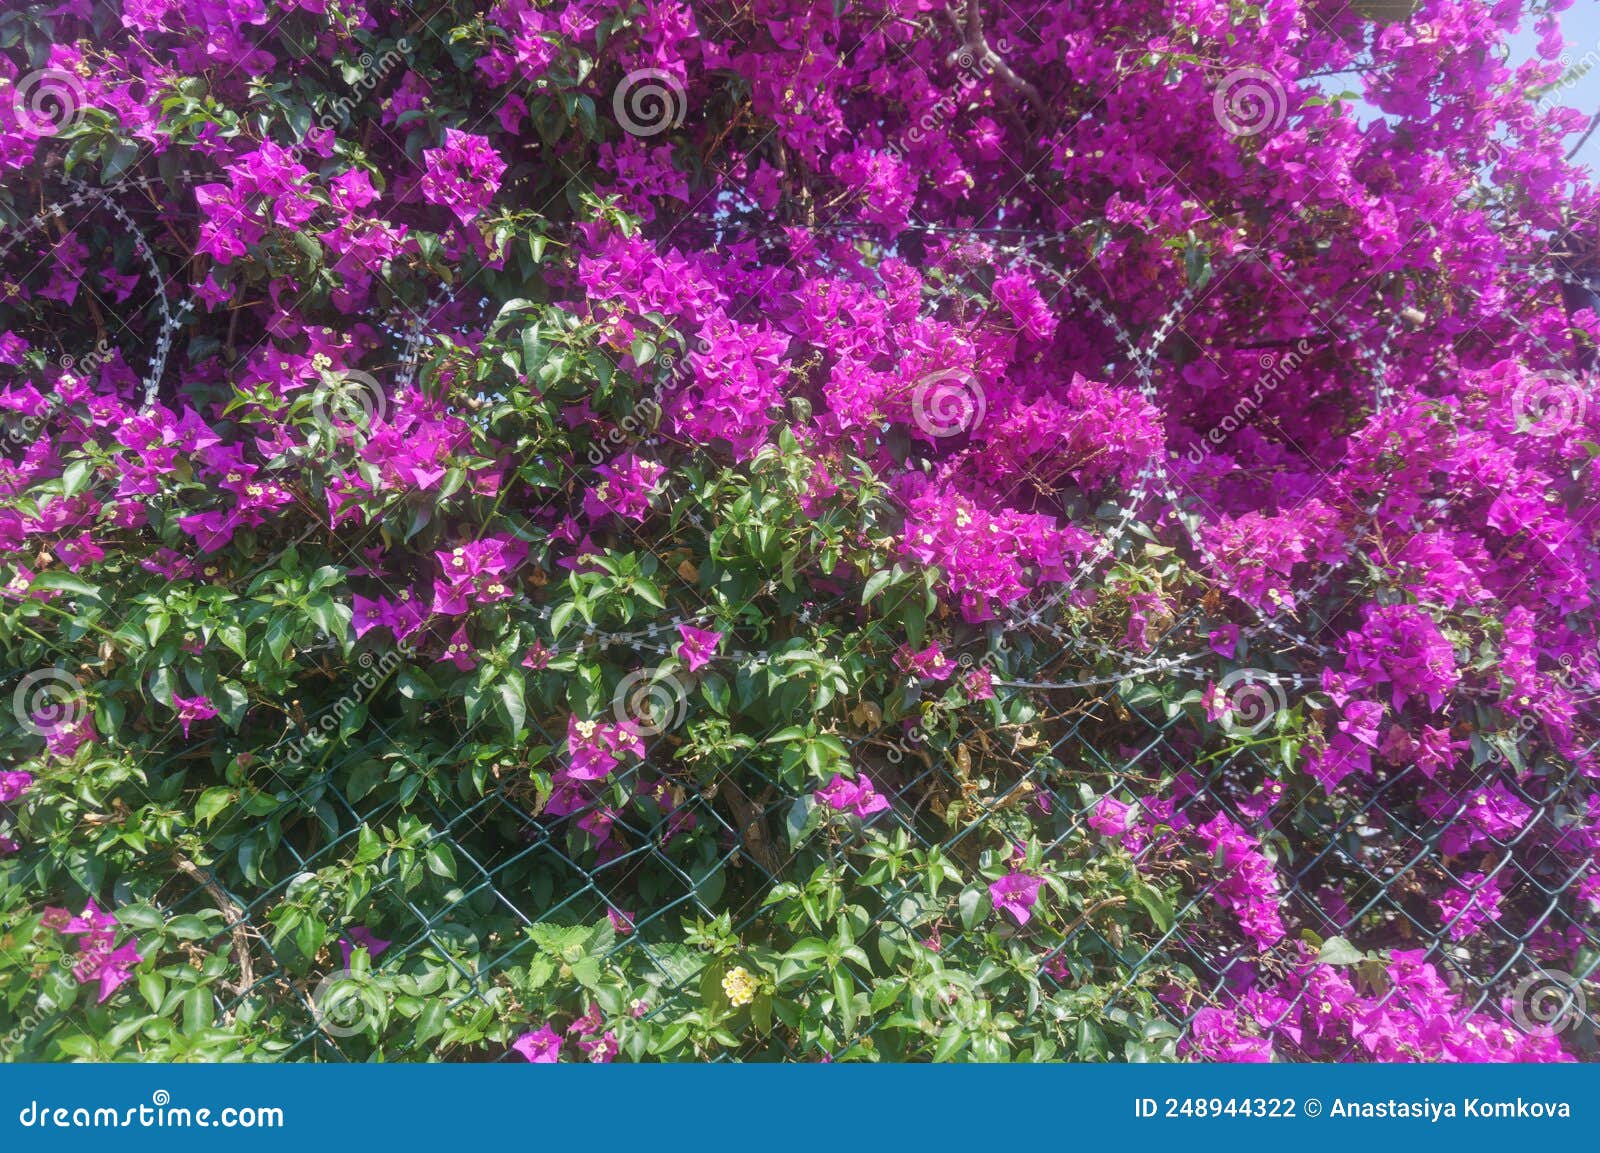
(846, 530)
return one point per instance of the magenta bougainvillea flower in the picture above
(91, 922)
(111, 969)
(1016, 893)
(1003, 378)
(857, 796)
(1110, 817)
(596, 747)
(191, 709)
(929, 663)
(599, 1050)
(542, 1046)
(699, 646)
(462, 174)
(65, 737)
(361, 937)
(13, 783)
(1467, 909)
(625, 488)
(100, 960)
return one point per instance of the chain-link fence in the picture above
(1358, 872)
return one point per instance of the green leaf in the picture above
(66, 582)
(875, 585)
(809, 949)
(117, 160)
(511, 701)
(198, 1009)
(441, 861)
(844, 997)
(951, 1042)
(212, 802)
(974, 905)
(431, 1021)
(1338, 951)
(1154, 904)
(152, 988)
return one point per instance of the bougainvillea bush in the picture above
(855, 530)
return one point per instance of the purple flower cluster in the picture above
(100, 960)
(1315, 405)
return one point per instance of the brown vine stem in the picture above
(1584, 139)
(230, 910)
(972, 16)
(1083, 918)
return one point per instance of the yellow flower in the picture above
(739, 985)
